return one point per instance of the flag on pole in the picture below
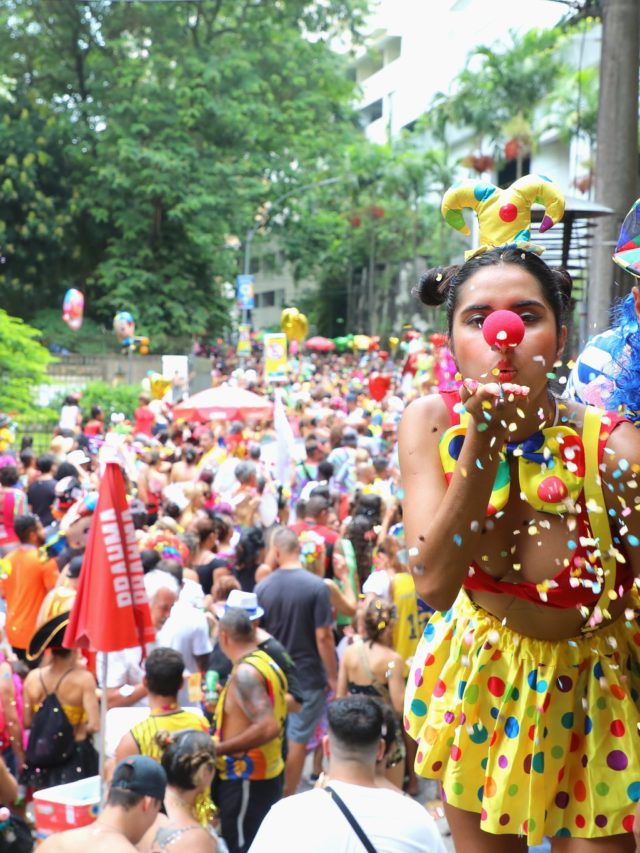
(285, 441)
(111, 610)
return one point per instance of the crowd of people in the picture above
(442, 590)
(271, 600)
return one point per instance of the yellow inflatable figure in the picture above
(294, 324)
(504, 216)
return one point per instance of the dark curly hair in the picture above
(440, 285)
(248, 555)
(366, 514)
(184, 754)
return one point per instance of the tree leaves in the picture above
(23, 365)
(152, 132)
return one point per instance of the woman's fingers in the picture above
(492, 401)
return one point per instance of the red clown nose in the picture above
(503, 329)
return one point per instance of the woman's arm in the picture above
(389, 515)
(90, 703)
(341, 573)
(443, 525)
(395, 681)
(343, 605)
(8, 699)
(8, 785)
(30, 696)
(342, 676)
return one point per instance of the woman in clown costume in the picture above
(523, 697)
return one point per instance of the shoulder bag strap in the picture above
(597, 511)
(359, 831)
(64, 675)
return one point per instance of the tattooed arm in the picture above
(249, 691)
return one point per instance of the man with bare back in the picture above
(249, 727)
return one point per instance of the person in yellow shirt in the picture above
(163, 679)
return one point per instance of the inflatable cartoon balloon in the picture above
(158, 385)
(125, 327)
(73, 308)
(294, 324)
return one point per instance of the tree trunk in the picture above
(617, 147)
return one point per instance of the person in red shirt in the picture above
(95, 425)
(315, 518)
(144, 418)
(26, 582)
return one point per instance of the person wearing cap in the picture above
(82, 462)
(220, 663)
(343, 459)
(249, 727)
(134, 800)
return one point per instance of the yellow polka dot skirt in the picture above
(539, 738)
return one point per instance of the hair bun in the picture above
(163, 739)
(564, 283)
(434, 283)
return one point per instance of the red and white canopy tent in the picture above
(226, 402)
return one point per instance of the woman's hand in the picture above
(493, 405)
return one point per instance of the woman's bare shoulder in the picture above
(423, 424)
(427, 406)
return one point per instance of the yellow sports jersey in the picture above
(406, 631)
(145, 731)
(265, 761)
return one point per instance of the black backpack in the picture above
(51, 738)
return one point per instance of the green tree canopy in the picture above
(140, 136)
(23, 366)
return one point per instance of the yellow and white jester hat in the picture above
(504, 216)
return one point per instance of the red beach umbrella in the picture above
(320, 344)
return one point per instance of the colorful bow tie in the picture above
(550, 467)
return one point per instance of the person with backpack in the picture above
(60, 706)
